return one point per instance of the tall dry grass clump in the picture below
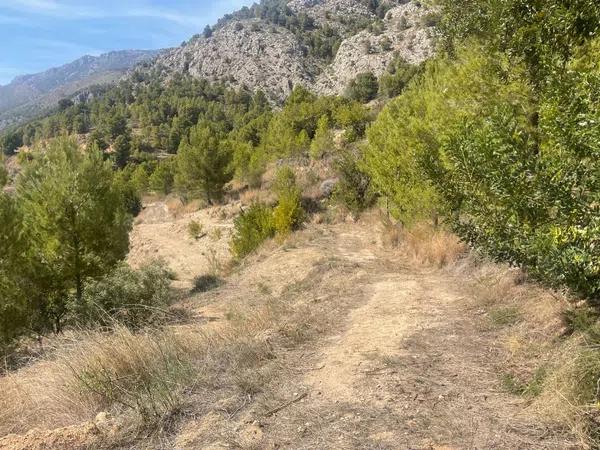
(425, 244)
(151, 374)
(571, 391)
(100, 371)
(551, 346)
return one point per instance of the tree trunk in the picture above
(78, 280)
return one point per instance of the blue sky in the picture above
(38, 34)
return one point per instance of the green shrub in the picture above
(131, 196)
(204, 283)
(10, 142)
(354, 188)
(162, 179)
(363, 88)
(322, 143)
(431, 19)
(130, 297)
(3, 174)
(251, 228)
(397, 77)
(289, 214)
(285, 181)
(353, 118)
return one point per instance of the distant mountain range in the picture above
(28, 95)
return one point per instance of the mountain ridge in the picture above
(274, 48)
(27, 95)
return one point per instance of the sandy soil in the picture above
(158, 234)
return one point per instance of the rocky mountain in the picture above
(272, 46)
(321, 44)
(405, 31)
(29, 94)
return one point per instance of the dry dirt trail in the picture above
(368, 351)
(406, 363)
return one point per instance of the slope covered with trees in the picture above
(500, 134)
(29, 95)
(70, 214)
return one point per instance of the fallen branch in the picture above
(285, 405)
(308, 369)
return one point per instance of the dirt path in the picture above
(408, 366)
(368, 351)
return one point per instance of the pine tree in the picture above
(75, 219)
(161, 180)
(13, 305)
(322, 141)
(203, 164)
(3, 175)
(122, 150)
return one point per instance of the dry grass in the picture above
(558, 372)
(424, 244)
(256, 196)
(101, 371)
(152, 376)
(178, 208)
(570, 392)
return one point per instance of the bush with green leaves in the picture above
(288, 215)
(162, 179)
(399, 73)
(125, 296)
(354, 188)
(3, 174)
(322, 143)
(252, 228)
(509, 148)
(131, 196)
(11, 141)
(363, 88)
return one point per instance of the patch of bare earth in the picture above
(161, 233)
(330, 341)
(399, 357)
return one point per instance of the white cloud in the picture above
(156, 13)
(51, 8)
(67, 10)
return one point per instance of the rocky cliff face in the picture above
(261, 54)
(252, 52)
(404, 32)
(332, 12)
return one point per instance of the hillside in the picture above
(318, 224)
(298, 45)
(28, 95)
(333, 339)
